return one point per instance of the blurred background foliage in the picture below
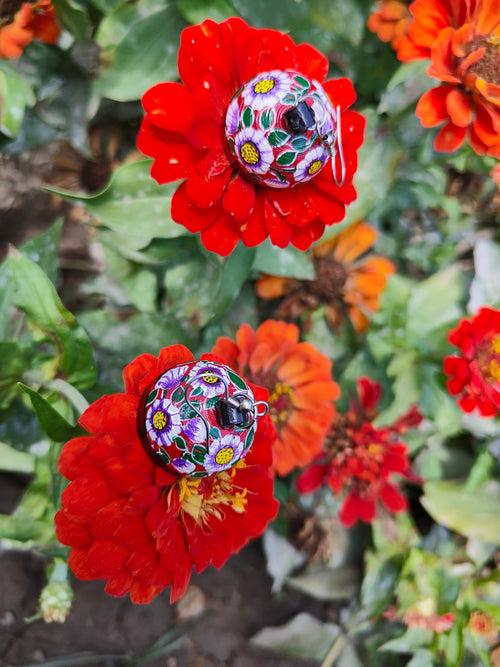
(67, 328)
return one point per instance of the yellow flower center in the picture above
(280, 402)
(160, 420)
(224, 456)
(264, 86)
(210, 378)
(249, 153)
(314, 167)
(209, 497)
(489, 360)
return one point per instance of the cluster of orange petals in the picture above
(365, 276)
(299, 380)
(389, 20)
(462, 40)
(34, 20)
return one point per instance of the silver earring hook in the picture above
(335, 147)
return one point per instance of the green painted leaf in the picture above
(178, 395)
(181, 443)
(247, 117)
(266, 119)
(146, 55)
(303, 83)
(286, 158)
(51, 421)
(300, 144)
(198, 454)
(215, 433)
(289, 99)
(163, 456)
(278, 138)
(236, 380)
(151, 396)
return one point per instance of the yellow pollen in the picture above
(224, 456)
(374, 449)
(280, 389)
(210, 378)
(495, 345)
(314, 167)
(249, 153)
(264, 86)
(159, 420)
(494, 370)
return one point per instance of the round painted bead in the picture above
(279, 127)
(198, 419)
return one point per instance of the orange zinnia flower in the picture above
(33, 20)
(389, 20)
(343, 283)
(299, 380)
(462, 39)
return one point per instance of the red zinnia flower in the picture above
(33, 20)
(139, 527)
(360, 459)
(461, 37)
(474, 374)
(184, 131)
(299, 380)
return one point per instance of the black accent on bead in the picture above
(229, 415)
(299, 119)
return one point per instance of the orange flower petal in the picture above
(354, 241)
(459, 108)
(449, 138)
(271, 287)
(431, 108)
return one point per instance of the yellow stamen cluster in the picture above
(264, 86)
(279, 416)
(223, 494)
(249, 153)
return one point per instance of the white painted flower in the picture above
(253, 150)
(266, 89)
(312, 164)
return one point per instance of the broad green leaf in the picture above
(146, 55)
(235, 271)
(281, 558)
(36, 296)
(73, 17)
(327, 583)
(196, 11)
(15, 95)
(302, 637)
(472, 513)
(407, 84)
(287, 262)
(14, 360)
(12, 460)
(133, 205)
(108, 6)
(120, 19)
(434, 303)
(484, 290)
(436, 403)
(44, 249)
(377, 164)
(265, 14)
(51, 421)
(405, 387)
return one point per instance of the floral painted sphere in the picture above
(198, 419)
(280, 128)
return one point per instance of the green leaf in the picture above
(180, 442)
(36, 296)
(215, 433)
(11, 460)
(327, 583)
(287, 262)
(302, 637)
(74, 18)
(51, 421)
(43, 249)
(434, 303)
(266, 119)
(286, 158)
(300, 144)
(247, 117)
(289, 99)
(198, 454)
(196, 11)
(303, 83)
(407, 84)
(146, 55)
(473, 513)
(133, 205)
(15, 95)
(484, 288)
(278, 138)
(14, 361)
(236, 379)
(235, 271)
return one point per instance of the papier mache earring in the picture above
(264, 146)
(173, 474)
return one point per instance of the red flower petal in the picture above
(459, 108)
(431, 107)
(392, 498)
(311, 479)
(312, 62)
(341, 92)
(239, 199)
(449, 138)
(170, 106)
(221, 236)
